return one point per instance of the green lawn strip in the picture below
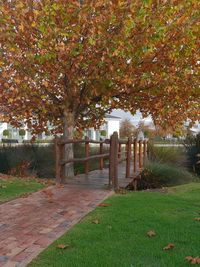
(120, 238)
(15, 187)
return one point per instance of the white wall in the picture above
(113, 126)
(3, 126)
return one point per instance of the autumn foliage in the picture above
(70, 62)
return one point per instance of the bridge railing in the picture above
(131, 150)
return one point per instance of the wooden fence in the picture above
(131, 151)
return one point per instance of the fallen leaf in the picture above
(60, 186)
(197, 219)
(189, 258)
(95, 221)
(62, 246)
(25, 195)
(151, 233)
(104, 205)
(169, 246)
(193, 260)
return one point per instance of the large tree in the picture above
(69, 62)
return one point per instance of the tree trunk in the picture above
(68, 133)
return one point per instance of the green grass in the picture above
(120, 239)
(14, 187)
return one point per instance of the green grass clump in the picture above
(120, 239)
(168, 155)
(14, 187)
(161, 174)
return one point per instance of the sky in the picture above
(135, 119)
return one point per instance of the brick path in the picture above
(28, 225)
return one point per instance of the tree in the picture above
(127, 129)
(6, 133)
(70, 62)
(22, 133)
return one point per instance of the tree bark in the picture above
(68, 133)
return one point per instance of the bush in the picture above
(22, 132)
(39, 159)
(103, 133)
(6, 133)
(169, 155)
(157, 175)
(192, 145)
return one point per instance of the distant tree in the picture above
(22, 133)
(6, 133)
(127, 129)
(103, 133)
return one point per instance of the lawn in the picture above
(14, 187)
(119, 238)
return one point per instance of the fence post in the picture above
(113, 166)
(116, 161)
(135, 156)
(120, 151)
(101, 162)
(111, 161)
(140, 154)
(144, 152)
(59, 157)
(87, 149)
(128, 157)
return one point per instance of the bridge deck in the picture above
(100, 179)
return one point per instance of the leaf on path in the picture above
(169, 247)
(62, 246)
(193, 260)
(25, 195)
(151, 233)
(95, 221)
(60, 186)
(104, 205)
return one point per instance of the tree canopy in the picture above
(76, 60)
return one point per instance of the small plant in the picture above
(6, 133)
(22, 133)
(158, 175)
(169, 155)
(103, 133)
(192, 145)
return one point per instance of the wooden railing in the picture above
(119, 150)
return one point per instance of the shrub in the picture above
(192, 145)
(22, 132)
(157, 175)
(39, 159)
(103, 133)
(6, 133)
(169, 155)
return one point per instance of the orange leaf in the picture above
(193, 260)
(151, 233)
(197, 219)
(95, 221)
(104, 205)
(169, 246)
(62, 246)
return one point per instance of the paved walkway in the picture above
(28, 225)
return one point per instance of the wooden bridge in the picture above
(125, 160)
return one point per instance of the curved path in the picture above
(28, 225)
